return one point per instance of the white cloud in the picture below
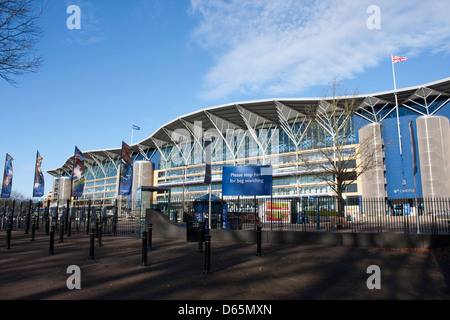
(284, 46)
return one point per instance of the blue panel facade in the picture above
(399, 167)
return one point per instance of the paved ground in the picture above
(28, 272)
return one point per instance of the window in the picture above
(351, 188)
(286, 181)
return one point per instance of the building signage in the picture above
(247, 181)
(276, 211)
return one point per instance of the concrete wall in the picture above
(373, 180)
(64, 190)
(433, 134)
(142, 176)
(361, 240)
(163, 228)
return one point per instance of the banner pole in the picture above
(209, 207)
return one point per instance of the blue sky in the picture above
(146, 62)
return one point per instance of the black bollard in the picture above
(52, 240)
(144, 249)
(258, 241)
(99, 235)
(37, 216)
(91, 244)
(33, 229)
(96, 227)
(69, 231)
(8, 235)
(28, 217)
(61, 233)
(47, 225)
(200, 234)
(150, 231)
(115, 218)
(207, 269)
(88, 219)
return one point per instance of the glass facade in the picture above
(100, 183)
(276, 133)
(182, 167)
(183, 171)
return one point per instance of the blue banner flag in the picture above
(413, 148)
(126, 176)
(208, 167)
(78, 177)
(38, 188)
(7, 177)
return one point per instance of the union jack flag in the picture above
(398, 59)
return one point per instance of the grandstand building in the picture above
(278, 133)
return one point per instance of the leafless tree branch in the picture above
(19, 34)
(341, 159)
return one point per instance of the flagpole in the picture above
(35, 173)
(396, 106)
(34, 181)
(208, 177)
(133, 127)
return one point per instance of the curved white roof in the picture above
(231, 114)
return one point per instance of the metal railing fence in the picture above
(427, 216)
(79, 219)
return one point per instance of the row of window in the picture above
(100, 182)
(88, 196)
(111, 187)
(178, 175)
(108, 170)
(304, 191)
(244, 147)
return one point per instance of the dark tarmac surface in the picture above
(175, 271)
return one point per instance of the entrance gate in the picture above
(144, 201)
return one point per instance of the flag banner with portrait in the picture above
(413, 147)
(208, 160)
(38, 187)
(78, 177)
(126, 175)
(7, 177)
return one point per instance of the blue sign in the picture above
(247, 181)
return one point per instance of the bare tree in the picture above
(16, 196)
(19, 34)
(339, 159)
